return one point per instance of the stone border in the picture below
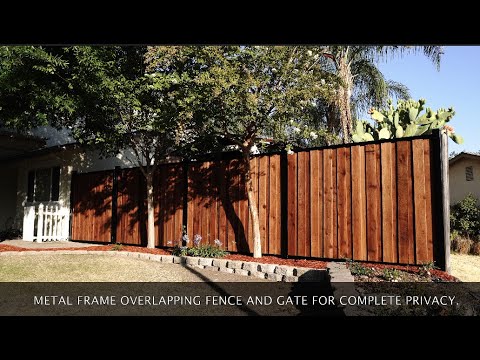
(246, 268)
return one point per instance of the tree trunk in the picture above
(344, 96)
(150, 209)
(252, 207)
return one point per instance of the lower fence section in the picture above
(367, 202)
(45, 223)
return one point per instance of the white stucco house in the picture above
(464, 176)
(36, 176)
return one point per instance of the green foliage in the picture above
(404, 121)
(207, 250)
(465, 217)
(359, 270)
(426, 268)
(117, 247)
(239, 95)
(390, 274)
(180, 250)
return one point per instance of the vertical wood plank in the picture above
(406, 253)
(419, 194)
(274, 206)
(359, 211)
(316, 203)
(374, 219)
(330, 204)
(231, 181)
(344, 203)
(263, 210)
(301, 204)
(427, 153)
(292, 204)
(389, 202)
(223, 197)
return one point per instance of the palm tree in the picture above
(361, 84)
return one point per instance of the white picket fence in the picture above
(45, 223)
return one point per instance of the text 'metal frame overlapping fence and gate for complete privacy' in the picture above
(384, 201)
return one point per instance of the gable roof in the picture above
(464, 155)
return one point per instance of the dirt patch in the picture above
(465, 267)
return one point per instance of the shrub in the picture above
(206, 250)
(359, 270)
(475, 248)
(391, 274)
(465, 217)
(461, 245)
(10, 233)
(117, 247)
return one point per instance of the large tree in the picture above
(242, 94)
(103, 94)
(361, 84)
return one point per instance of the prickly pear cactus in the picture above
(403, 121)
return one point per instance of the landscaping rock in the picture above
(167, 259)
(205, 261)
(179, 260)
(212, 268)
(242, 272)
(191, 260)
(196, 266)
(258, 274)
(284, 270)
(226, 270)
(251, 266)
(300, 271)
(268, 268)
(234, 264)
(220, 262)
(155, 257)
(274, 277)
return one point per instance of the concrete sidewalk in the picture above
(46, 245)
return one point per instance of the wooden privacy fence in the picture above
(384, 201)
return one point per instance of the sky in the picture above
(457, 84)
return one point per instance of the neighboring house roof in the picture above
(13, 145)
(463, 155)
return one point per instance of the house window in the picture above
(469, 173)
(43, 184)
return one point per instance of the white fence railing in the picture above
(45, 223)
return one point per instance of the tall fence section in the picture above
(381, 202)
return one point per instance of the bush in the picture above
(359, 270)
(207, 250)
(10, 233)
(475, 248)
(465, 217)
(461, 245)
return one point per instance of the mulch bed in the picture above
(315, 264)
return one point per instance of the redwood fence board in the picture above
(366, 202)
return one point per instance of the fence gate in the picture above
(91, 202)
